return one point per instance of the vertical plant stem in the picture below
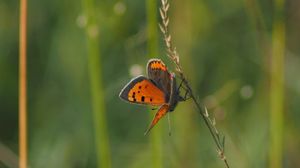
(152, 26)
(152, 34)
(22, 86)
(96, 87)
(277, 86)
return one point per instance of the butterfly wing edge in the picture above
(124, 92)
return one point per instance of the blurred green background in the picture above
(226, 49)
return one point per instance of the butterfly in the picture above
(158, 89)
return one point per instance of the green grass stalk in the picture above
(152, 36)
(22, 85)
(96, 86)
(277, 87)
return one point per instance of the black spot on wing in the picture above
(125, 91)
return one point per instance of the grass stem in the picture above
(277, 87)
(22, 85)
(152, 36)
(96, 86)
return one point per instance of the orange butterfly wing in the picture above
(159, 74)
(156, 64)
(159, 114)
(141, 90)
(155, 91)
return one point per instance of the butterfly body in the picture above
(159, 89)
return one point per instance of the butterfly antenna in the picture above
(169, 123)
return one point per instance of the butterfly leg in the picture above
(187, 92)
(186, 95)
(180, 85)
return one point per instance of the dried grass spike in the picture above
(162, 14)
(166, 22)
(173, 55)
(161, 28)
(167, 7)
